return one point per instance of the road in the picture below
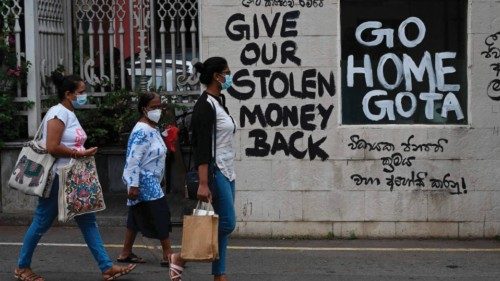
(63, 256)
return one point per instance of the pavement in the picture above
(115, 213)
(62, 255)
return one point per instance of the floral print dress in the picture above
(145, 163)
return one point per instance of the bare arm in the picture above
(204, 193)
(55, 129)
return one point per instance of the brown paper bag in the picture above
(200, 238)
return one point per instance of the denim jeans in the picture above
(45, 213)
(223, 203)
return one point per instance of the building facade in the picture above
(363, 118)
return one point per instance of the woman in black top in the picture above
(210, 110)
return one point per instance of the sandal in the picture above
(116, 271)
(175, 271)
(132, 258)
(27, 274)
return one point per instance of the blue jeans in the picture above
(45, 213)
(223, 203)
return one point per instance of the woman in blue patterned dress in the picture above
(148, 210)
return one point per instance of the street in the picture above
(62, 255)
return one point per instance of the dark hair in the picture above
(209, 67)
(65, 83)
(144, 99)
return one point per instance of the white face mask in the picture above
(154, 115)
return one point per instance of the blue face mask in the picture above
(80, 100)
(228, 82)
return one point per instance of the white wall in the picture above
(282, 195)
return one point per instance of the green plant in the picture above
(352, 235)
(111, 121)
(13, 76)
(330, 235)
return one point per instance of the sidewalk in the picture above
(114, 215)
(64, 256)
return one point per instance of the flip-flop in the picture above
(164, 263)
(132, 258)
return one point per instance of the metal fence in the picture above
(137, 45)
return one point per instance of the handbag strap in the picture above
(38, 134)
(207, 206)
(214, 146)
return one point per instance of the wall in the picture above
(302, 170)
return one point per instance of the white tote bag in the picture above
(80, 191)
(32, 174)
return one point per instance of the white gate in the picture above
(137, 45)
(42, 38)
(123, 44)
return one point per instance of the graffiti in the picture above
(438, 146)
(396, 160)
(455, 187)
(496, 67)
(307, 84)
(493, 52)
(277, 115)
(361, 144)
(390, 163)
(359, 180)
(415, 180)
(284, 3)
(358, 143)
(494, 89)
(262, 148)
(405, 68)
(395, 72)
(280, 85)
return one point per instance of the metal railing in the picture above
(122, 44)
(137, 45)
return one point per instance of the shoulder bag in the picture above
(32, 174)
(192, 180)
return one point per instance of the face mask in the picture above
(80, 100)
(154, 115)
(228, 82)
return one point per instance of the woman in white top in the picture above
(65, 138)
(210, 109)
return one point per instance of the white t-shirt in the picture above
(73, 136)
(224, 140)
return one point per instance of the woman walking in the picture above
(215, 74)
(148, 210)
(64, 138)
